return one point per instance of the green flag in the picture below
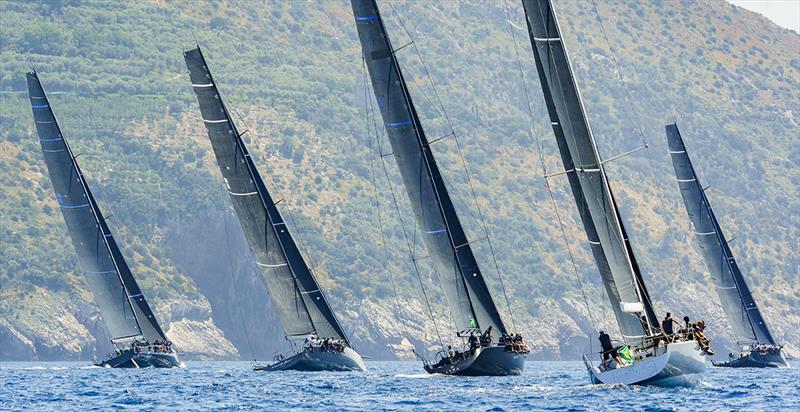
(472, 323)
(626, 355)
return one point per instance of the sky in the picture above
(785, 13)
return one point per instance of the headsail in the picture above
(468, 297)
(295, 293)
(115, 291)
(590, 187)
(737, 301)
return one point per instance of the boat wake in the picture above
(417, 375)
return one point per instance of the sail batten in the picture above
(737, 301)
(296, 296)
(464, 287)
(590, 187)
(115, 291)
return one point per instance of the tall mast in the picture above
(603, 224)
(295, 293)
(467, 294)
(737, 302)
(123, 306)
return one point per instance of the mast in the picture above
(737, 301)
(295, 293)
(590, 187)
(465, 289)
(122, 304)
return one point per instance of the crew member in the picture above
(667, 325)
(608, 349)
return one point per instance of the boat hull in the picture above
(681, 365)
(314, 360)
(755, 360)
(491, 361)
(131, 359)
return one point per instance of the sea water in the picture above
(386, 386)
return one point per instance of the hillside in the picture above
(292, 73)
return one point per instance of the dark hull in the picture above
(755, 360)
(493, 361)
(317, 361)
(131, 359)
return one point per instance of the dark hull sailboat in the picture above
(132, 359)
(749, 326)
(484, 361)
(772, 358)
(317, 360)
(457, 270)
(131, 323)
(301, 306)
(657, 359)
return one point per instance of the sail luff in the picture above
(296, 296)
(571, 127)
(465, 289)
(94, 244)
(737, 301)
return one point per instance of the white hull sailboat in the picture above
(674, 365)
(679, 362)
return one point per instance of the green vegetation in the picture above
(292, 73)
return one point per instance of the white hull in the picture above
(680, 364)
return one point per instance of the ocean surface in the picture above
(386, 386)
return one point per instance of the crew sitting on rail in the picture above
(311, 341)
(705, 343)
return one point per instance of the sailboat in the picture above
(758, 347)
(301, 306)
(657, 359)
(465, 289)
(135, 333)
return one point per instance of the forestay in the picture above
(594, 199)
(122, 304)
(465, 289)
(737, 301)
(300, 304)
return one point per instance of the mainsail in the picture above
(295, 293)
(122, 304)
(467, 295)
(598, 209)
(737, 301)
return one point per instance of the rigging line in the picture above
(443, 114)
(377, 198)
(371, 109)
(233, 282)
(606, 185)
(659, 195)
(540, 151)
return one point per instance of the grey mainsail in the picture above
(468, 297)
(296, 296)
(737, 301)
(590, 187)
(122, 304)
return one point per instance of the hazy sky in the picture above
(785, 13)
